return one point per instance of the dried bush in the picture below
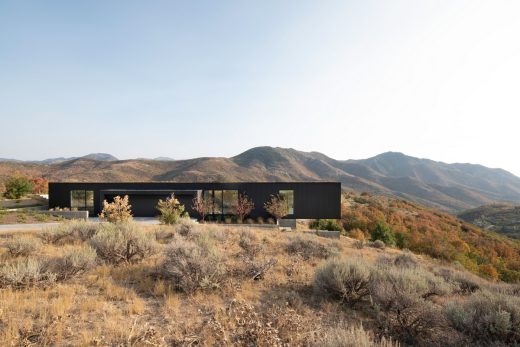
(256, 270)
(403, 295)
(74, 262)
(350, 336)
(359, 244)
(123, 242)
(59, 234)
(22, 246)
(377, 244)
(193, 265)
(487, 318)
(504, 288)
(405, 260)
(185, 226)
(117, 211)
(164, 233)
(357, 234)
(277, 325)
(25, 273)
(249, 243)
(345, 279)
(69, 232)
(464, 282)
(307, 246)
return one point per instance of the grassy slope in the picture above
(436, 234)
(129, 305)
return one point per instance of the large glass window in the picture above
(217, 201)
(224, 201)
(230, 201)
(288, 196)
(83, 200)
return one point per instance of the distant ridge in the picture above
(92, 156)
(449, 187)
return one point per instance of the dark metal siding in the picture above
(311, 199)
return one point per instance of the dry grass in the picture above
(225, 303)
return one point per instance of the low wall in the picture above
(68, 214)
(287, 223)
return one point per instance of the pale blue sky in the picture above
(351, 79)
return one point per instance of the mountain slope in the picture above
(502, 218)
(449, 187)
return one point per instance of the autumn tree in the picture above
(17, 186)
(202, 205)
(277, 206)
(117, 211)
(40, 185)
(243, 207)
(171, 210)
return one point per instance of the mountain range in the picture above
(449, 187)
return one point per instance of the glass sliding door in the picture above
(82, 200)
(77, 199)
(288, 197)
(230, 201)
(218, 200)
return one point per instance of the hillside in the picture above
(438, 235)
(502, 218)
(448, 187)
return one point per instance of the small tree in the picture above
(117, 211)
(40, 185)
(202, 205)
(383, 233)
(171, 210)
(17, 186)
(277, 206)
(243, 207)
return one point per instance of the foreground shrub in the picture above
(347, 280)
(22, 246)
(193, 265)
(402, 261)
(185, 226)
(307, 246)
(465, 283)
(123, 243)
(404, 297)
(25, 273)
(117, 211)
(377, 244)
(349, 336)
(171, 210)
(249, 243)
(487, 318)
(256, 270)
(69, 232)
(74, 262)
(405, 260)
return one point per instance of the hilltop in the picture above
(448, 187)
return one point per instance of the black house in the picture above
(307, 200)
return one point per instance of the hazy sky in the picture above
(351, 79)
